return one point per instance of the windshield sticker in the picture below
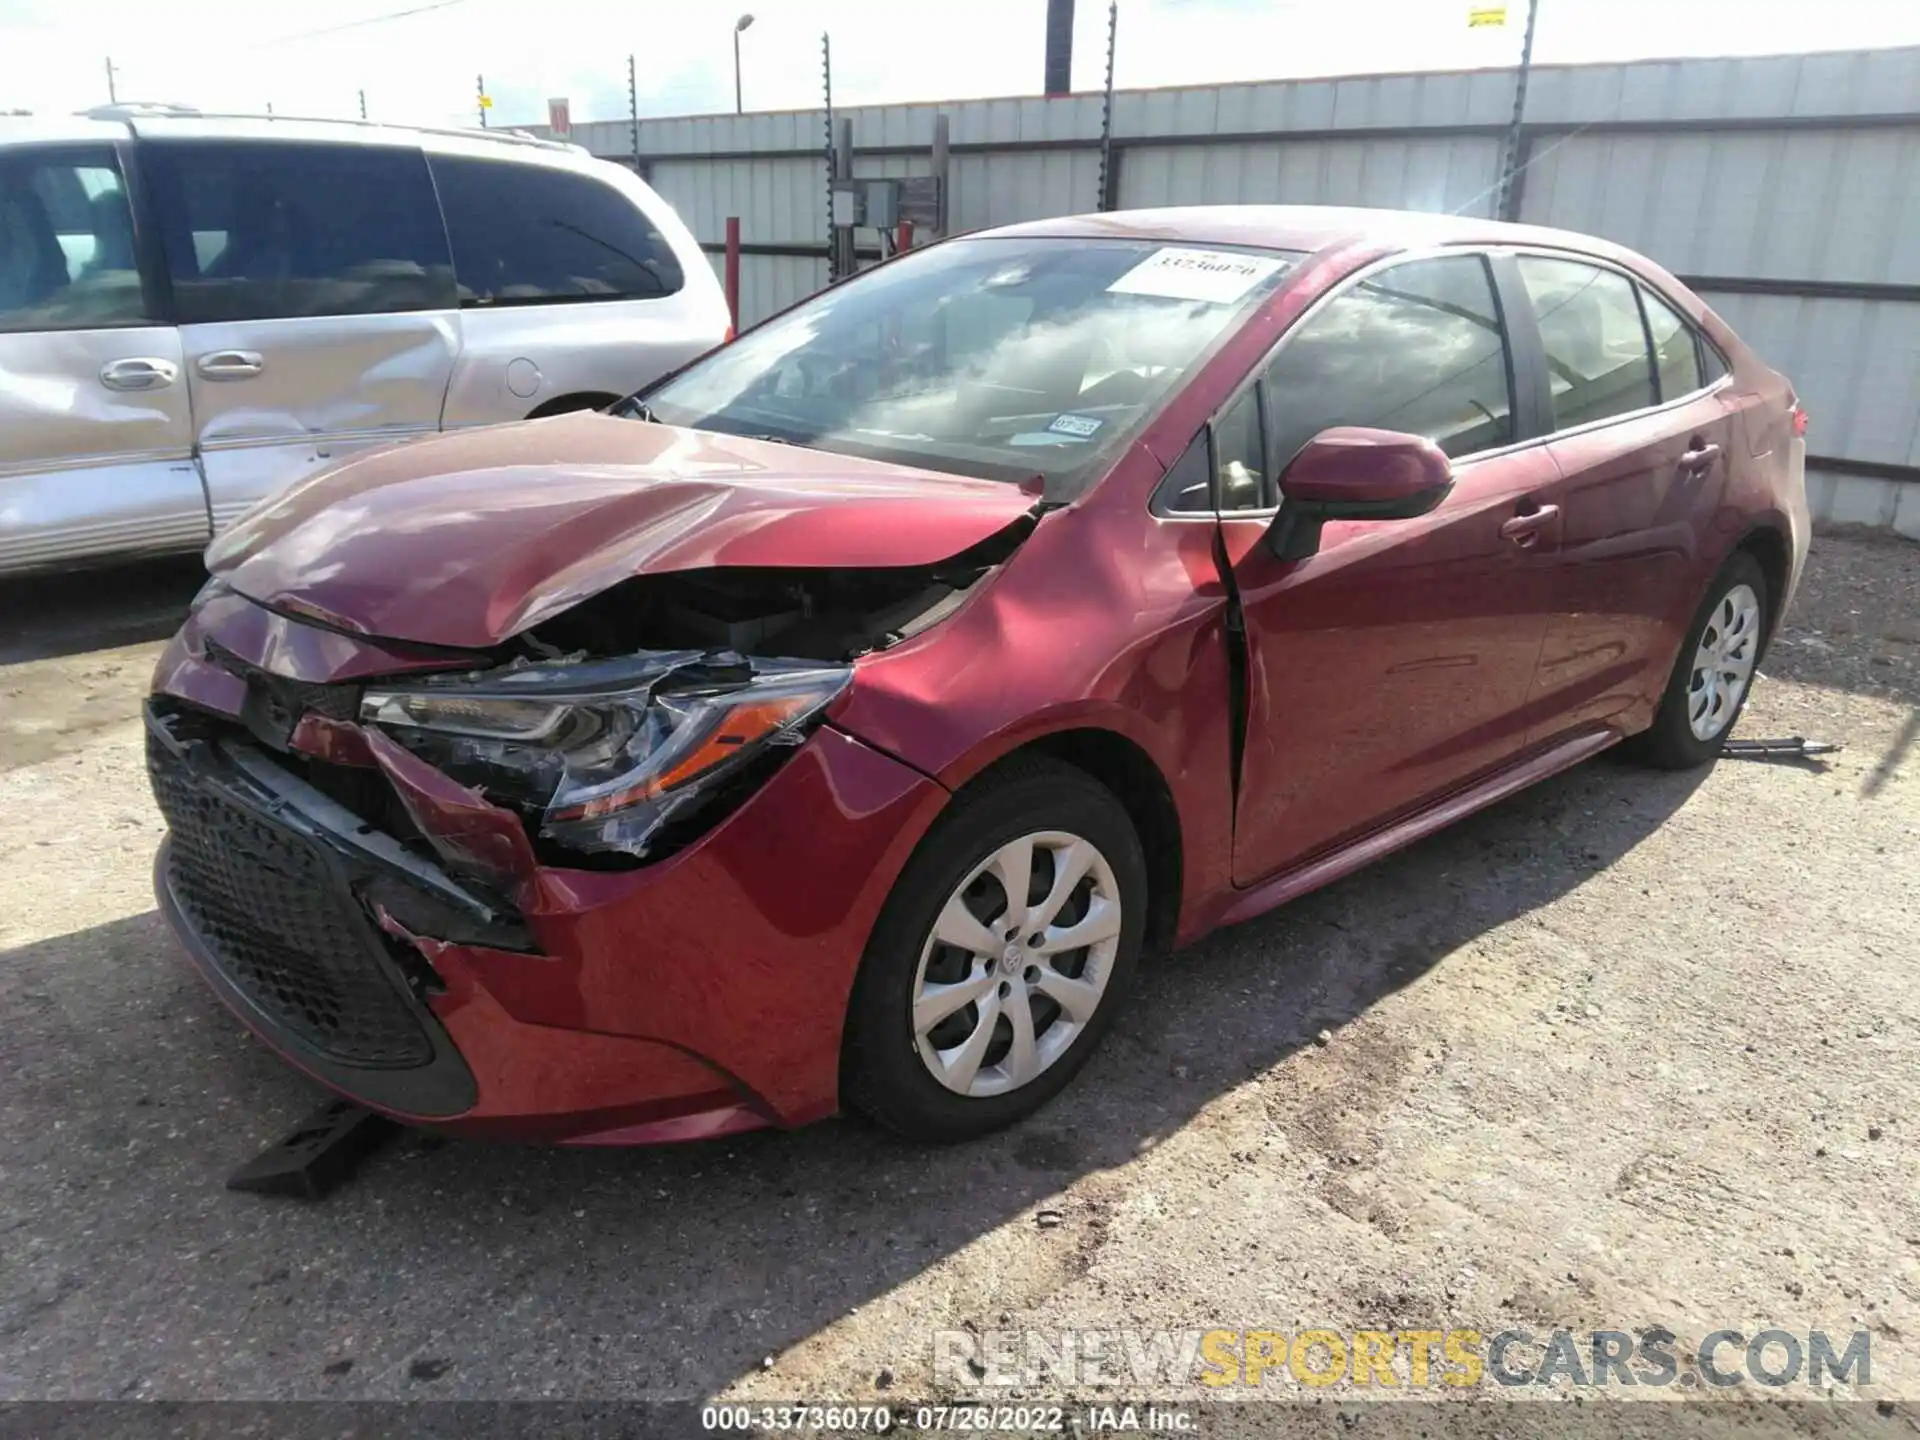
(1216, 277)
(1080, 427)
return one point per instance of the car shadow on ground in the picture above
(459, 1269)
(75, 611)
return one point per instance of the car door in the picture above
(569, 288)
(1394, 664)
(96, 438)
(1641, 445)
(314, 291)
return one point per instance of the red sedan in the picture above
(836, 724)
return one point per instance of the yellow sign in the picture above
(1486, 15)
(486, 102)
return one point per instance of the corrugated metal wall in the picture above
(1785, 188)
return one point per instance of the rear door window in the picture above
(531, 235)
(1598, 361)
(1418, 348)
(1676, 353)
(269, 229)
(67, 260)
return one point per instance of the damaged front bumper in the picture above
(434, 970)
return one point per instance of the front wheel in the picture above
(1000, 958)
(1714, 673)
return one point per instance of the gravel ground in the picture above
(1628, 1050)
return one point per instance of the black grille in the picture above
(280, 927)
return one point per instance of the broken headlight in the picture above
(607, 752)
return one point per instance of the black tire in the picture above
(1669, 743)
(882, 1076)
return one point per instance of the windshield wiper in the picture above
(634, 409)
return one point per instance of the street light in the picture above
(742, 23)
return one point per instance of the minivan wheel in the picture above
(1713, 674)
(1000, 958)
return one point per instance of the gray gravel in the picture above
(1629, 1049)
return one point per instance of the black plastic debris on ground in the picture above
(320, 1154)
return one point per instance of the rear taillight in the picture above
(1799, 420)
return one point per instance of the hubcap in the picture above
(1017, 963)
(1723, 663)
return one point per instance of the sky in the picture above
(418, 61)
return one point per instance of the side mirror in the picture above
(1353, 473)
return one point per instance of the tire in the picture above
(1673, 741)
(887, 1066)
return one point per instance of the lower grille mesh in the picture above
(280, 929)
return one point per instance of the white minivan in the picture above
(197, 310)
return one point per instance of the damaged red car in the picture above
(835, 724)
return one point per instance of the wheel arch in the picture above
(1125, 770)
(1773, 551)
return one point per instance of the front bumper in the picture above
(700, 995)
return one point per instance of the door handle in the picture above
(1523, 530)
(230, 364)
(1702, 455)
(138, 373)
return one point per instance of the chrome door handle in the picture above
(139, 373)
(1523, 530)
(1699, 457)
(230, 364)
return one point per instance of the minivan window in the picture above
(67, 260)
(532, 235)
(1676, 356)
(270, 229)
(1598, 363)
(1417, 348)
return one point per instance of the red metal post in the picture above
(904, 239)
(733, 275)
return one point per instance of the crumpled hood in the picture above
(466, 539)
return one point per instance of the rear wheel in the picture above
(1714, 673)
(1000, 958)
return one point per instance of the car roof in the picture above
(151, 121)
(1310, 228)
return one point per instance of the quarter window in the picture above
(1676, 355)
(1188, 486)
(268, 229)
(1240, 456)
(1417, 348)
(66, 243)
(530, 235)
(1598, 363)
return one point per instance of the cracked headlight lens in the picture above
(608, 752)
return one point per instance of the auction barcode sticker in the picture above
(1218, 277)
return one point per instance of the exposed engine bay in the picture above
(786, 612)
(632, 723)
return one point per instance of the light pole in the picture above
(742, 23)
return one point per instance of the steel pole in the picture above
(1510, 147)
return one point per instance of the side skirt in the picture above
(1290, 884)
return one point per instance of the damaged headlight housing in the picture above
(608, 752)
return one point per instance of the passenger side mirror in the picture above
(1353, 473)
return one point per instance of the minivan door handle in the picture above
(138, 373)
(230, 364)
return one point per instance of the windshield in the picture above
(998, 358)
